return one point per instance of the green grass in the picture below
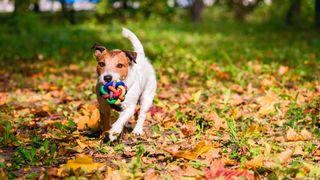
(181, 44)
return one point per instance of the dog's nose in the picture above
(107, 78)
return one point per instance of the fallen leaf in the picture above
(255, 163)
(193, 154)
(292, 135)
(81, 121)
(196, 96)
(267, 103)
(236, 100)
(85, 163)
(3, 98)
(217, 170)
(217, 121)
(151, 174)
(284, 156)
(283, 70)
(93, 124)
(298, 151)
(306, 135)
(188, 129)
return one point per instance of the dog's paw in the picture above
(137, 131)
(113, 134)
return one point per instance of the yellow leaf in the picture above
(94, 120)
(85, 163)
(255, 163)
(196, 96)
(81, 122)
(200, 148)
(267, 103)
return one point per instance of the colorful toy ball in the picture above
(114, 93)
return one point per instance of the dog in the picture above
(134, 69)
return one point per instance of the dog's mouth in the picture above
(108, 77)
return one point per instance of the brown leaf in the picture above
(236, 99)
(292, 135)
(298, 151)
(3, 98)
(306, 135)
(188, 129)
(217, 121)
(284, 156)
(151, 174)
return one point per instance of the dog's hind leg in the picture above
(146, 101)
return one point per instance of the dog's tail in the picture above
(134, 40)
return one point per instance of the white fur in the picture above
(142, 84)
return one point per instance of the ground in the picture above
(233, 100)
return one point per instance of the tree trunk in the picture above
(294, 11)
(239, 11)
(21, 6)
(196, 10)
(317, 13)
(36, 7)
(67, 11)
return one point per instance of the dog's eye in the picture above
(120, 65)
(101, 64)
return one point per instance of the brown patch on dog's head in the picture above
(115, 62)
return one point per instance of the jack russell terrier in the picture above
(134, 69)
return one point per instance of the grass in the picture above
(224, 88)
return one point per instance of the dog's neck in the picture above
(132, 76)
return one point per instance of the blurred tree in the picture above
(294, 11)
(317, 13)
(36, 6)
(196, 10)
(125, 8)
(240, 8)
(68, 11)
(21, 6)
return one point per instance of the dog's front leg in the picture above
(105, 111)
(124, 117)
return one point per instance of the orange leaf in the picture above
(200, 148)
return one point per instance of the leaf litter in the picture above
(205, 128)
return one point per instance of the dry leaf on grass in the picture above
(3, 98)
(84, 162)
(193, 154)
(217, 121)
(90, 119)
(292, 135)
(217, 170)
(188, 129)
(267, 103)
(283, 70)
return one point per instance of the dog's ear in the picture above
(131, 55)
(99, 49)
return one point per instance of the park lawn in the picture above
(242, 99)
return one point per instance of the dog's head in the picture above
(113, 65)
